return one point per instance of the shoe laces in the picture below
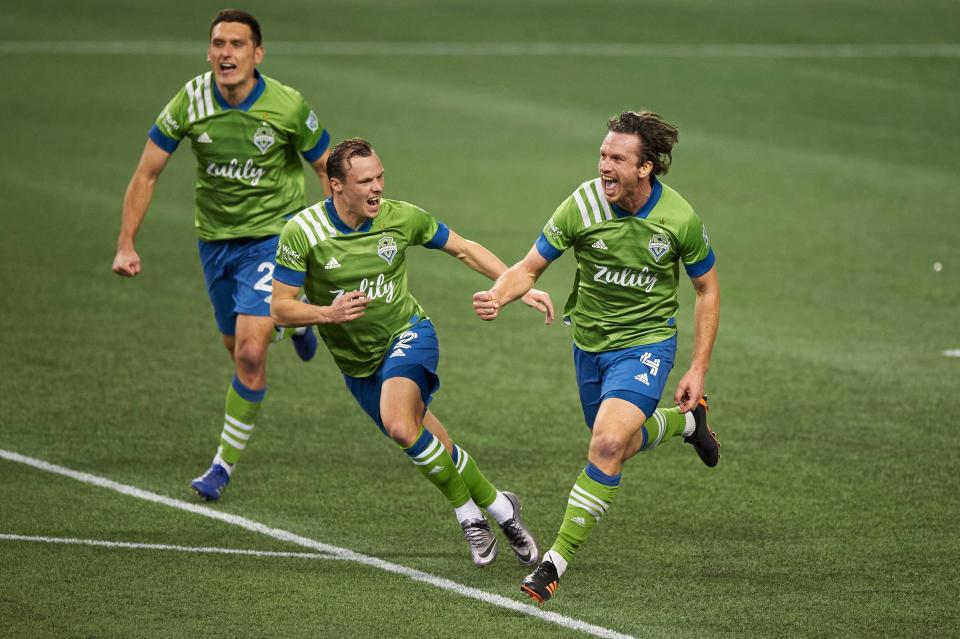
(514, 533)
(477, 533)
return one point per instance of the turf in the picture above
(828, 186)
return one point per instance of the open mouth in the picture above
(374, 202)
(610, 185)
(226, 67)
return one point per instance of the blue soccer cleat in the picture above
(210, 485)
(306, 344)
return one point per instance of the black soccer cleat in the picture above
(703, 439)
(541, 583)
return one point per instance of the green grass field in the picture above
(828, 181)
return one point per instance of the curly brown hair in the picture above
(657, 136)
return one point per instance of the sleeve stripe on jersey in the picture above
(288, 276)
(587, 188)
(167, 144)
(201, 98)
(547, 250)
(314, 154)
(699, 268)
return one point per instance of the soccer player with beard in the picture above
(349, 253)
(629, 232)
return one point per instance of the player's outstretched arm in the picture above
(286, 309)
(706, 320)
(483, 261)
(135, 205)
(515, 282)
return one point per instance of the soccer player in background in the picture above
(248, 133)
(349, 253)
(629, 233)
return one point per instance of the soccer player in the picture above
(349, 253)
(629, 233)
(248, 132)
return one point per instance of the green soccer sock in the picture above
(434, 462)
(481, 490)
(591, 496)
(661, 426)
(239, 418)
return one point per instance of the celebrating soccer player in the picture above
(629, 233)
(349, 253)
(246, 130)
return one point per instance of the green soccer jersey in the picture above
(625, 288)
(249, 174)
(319, 252)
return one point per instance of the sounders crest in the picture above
(659, 245)
(387, 248)
(263, 137)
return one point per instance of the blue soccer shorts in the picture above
(637, 374)
(414, 355)
(239, 276)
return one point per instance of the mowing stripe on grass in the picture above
(336, 551)
(138, 546)
(501, 49)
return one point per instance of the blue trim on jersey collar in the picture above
(258, 90)
(651, 202)
(339, 224)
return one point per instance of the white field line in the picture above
(952, 352)
(336, 551)
(137, 546)
(498, 49)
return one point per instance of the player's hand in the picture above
(540, 301)
(347, 307)
(689, 390)
(126, 263)
(486, 304)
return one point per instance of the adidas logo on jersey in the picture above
(435, 470)
(643, 379)
(333, 263)
(205, 138)
(580, 521)
(599, 245)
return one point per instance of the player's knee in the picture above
(250, 358)
(401, 430)
(607, 446)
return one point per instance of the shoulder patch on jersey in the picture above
(288, 254)
(312, 122)
(659, 245)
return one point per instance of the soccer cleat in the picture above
(541, 583)
(306, 344)
(703, 439)
(523, 544)
(210, 485)
(483, 545)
